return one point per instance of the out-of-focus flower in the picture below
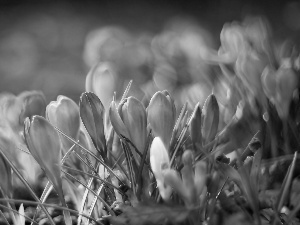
(161, 116)
(64, 114)
(232, 42)
(101, 80)
(134, 116)
(160, 160)
(33, 103)
(104, 44)
(10, 109)
(279, 87)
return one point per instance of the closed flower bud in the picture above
(195, 128)
(64, 114)
(42, 141)
(160, 160)
(161, 116)
(117, 121)
(134, 116)
(92, 114)
(210, 114)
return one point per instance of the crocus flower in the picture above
(160, 160)
(161, 116)
(64, 114)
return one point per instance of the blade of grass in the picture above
(94, 203)
(286, 185)
(93, 192)
(26, 185)
(48, 205)
(97, 177)
(181, 136)
(126, 91)
(89, 152)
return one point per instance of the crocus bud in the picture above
(195, 128)
(101, 80)
(134, 116)
(42, 141)
(64, 114)
(117, 121)
(160, 161)
(92, 114)
(33, 103)
(210, 114)
(162, 115)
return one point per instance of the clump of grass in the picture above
(147, 162)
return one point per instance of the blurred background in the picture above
(51, 45)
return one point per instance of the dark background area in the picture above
(42, 42)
